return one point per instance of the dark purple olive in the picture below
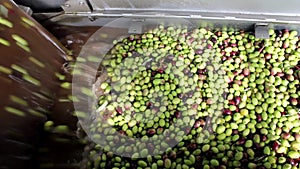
(275, 145)
(294, 162)
(214, 40)
(161, 46)
(294, 101)
(257, 145)
(297, 136)
(165, 156)
(286, 135)
(178, 47)
(238, 82)
(186, 71)
(177, 114)
(224, 58)
(268, 56)
(124, 55)
(235, 131)
(127, 107)
(290, 77)
(230, 59)
(259, 118)
(190, 94)
(119, 110)
(132, 48)
(285, 45)
(192, 146)
(153, 73)
(219, 33)
(273, 72)
(232, 102)
(246, 71)
(264, 138)
(233, 45)
(223, 53)
(160, 70)
(209, 101)
(202, 122)
(280, 74)
(151, 131)
(201, 71)
(197, 124)
(202, 77)
(261, 167)
(180, 96)
(233, 53)
(279, 33)
(131, 38)
(237, 100)
(241, 141)
(198, 51)
(195, 106)
(122, 132)
(227, 112)
(173, 154)
(209, 46)
(149, 104)
(235, 73)
(245, 155)
(222, 167)
(225, 42)
(192, 40)
(187, 130)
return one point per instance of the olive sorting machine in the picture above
(41, 39)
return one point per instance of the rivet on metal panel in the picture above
(262, 31)
(92, 18)
(67, 5)
(75, 6)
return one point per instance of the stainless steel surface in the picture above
(136, 27)
(262, 31)
(76, 6)
(269, 11)
(266, 7)
(233, 13)
(100, 19)
(44, 5)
